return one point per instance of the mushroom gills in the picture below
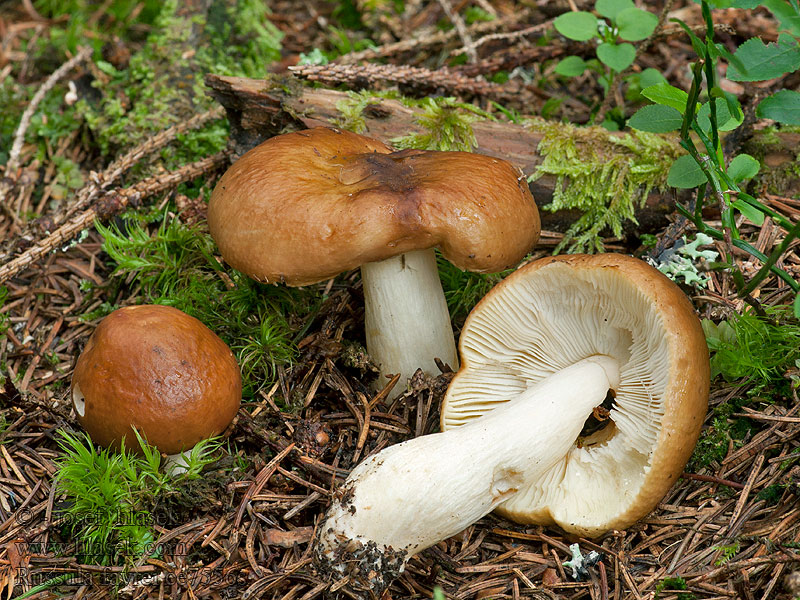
(78, 400)
(567, 314)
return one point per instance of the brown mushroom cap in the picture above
(556, 311)
(303, 207)
(159, 370)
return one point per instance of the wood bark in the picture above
(259, 109)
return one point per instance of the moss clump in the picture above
(352, 108)
(673, 584)
(606, 176)
(447, 124)
(175, 264)
(162, 84)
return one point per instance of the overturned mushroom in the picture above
(540, 352)
(303, 207)
(160, 371)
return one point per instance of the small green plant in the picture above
(110, 496)
(672, 584)
(706, 167)
(761, 350)
(622, 23)
(175, 265)
(447, 123)
(727, 552)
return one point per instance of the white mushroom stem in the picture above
(177, 464)
(406, 317)
(415, 494)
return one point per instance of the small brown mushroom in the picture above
(303, 207)
(160, 371)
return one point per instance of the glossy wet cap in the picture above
(160, 370)
(556, 311)
(303, 207)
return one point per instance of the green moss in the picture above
(672, 584)
(51, 122)
(447, 124)
(162, 85)
(114, 20)
(605, 176)
(352, 108)
(761, 351)
(175, 265)
(724, 430)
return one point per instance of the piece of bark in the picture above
(259, 109)
(287, 539)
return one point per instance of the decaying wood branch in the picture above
(259, 109)
(415, 78)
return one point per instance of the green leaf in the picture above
(750, 212)
(734, 108)
(667, 95)
(635, 24)
(572, 66)
(611, 8)
(725, 121)
(783, 106)
(760, 62)
(732, 3)
(785, 14)
(796, 306)
(656, 118)
(685, 173)
(580, 26)
(617, 56)
(650, 77)
(743, 166)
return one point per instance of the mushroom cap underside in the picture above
(302, 207)
(556, 311)
(159, 370)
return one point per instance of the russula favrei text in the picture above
(540, 353)
(158, 370)
(302, 207)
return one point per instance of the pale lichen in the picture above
(683, 259)
(604, 175)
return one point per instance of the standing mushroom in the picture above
(541, 352)
(303, 207)
(160, 371)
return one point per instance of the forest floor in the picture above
(112, 78)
